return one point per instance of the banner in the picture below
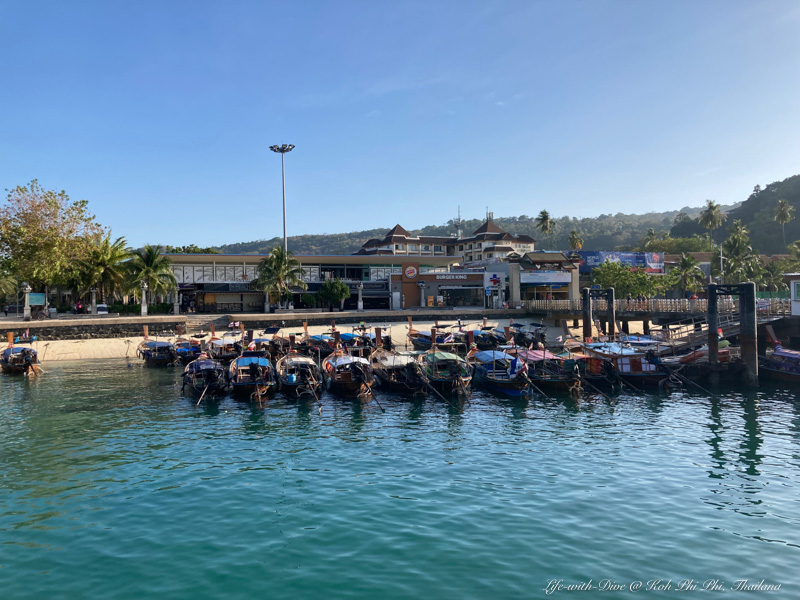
(652, 262)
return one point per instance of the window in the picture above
(469, 247)
(796, 290)
(478, 245)
(399, 246)
(426, 248)
(412, 247)
(461, 247)
(437, 248)
(488, 255)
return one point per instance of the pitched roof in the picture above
(398, 230)
(488, 227)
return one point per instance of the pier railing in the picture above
(766, 306)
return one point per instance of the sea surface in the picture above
(112, 485)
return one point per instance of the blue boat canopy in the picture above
(153, 345)
(244, 361)
(203, 364)
(488, 356)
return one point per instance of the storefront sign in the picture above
(545, 277)
(450, 276)
(411, 272)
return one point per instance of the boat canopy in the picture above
(436, 356)
(346, 359)
(220, 343)
(488, 356)
(153, 345)
(321, 338)
(244, 361)
(8, 352)
(395, 360)
(202, 364)
(786, 353)
(537, 355)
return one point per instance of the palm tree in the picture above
(772, 277)
(784, 213)
(575, 241)
(8, 285)
(743, 263)
(279, 272)
(545, 223)
(712, 218)
(149, 266)
(105, 266)
(689, 275)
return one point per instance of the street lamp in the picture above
(282, 150)
(144, 299)
(94, 300)
(26, 314)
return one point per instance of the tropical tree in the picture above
(149, 265)
(687, 274)
(105, 266)
(278, 273)
(772, 276)
(743, 263)
(784, 213)
(546, 224)
(8, 285)
(334, 291)
(43, 234)
(712, 218)
(575, 241)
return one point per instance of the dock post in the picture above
(713, 325)
(612, 314)
(646, 327)
(748, 333)
(586, 299)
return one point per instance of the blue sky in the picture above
(161, 113)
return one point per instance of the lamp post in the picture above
(360, 289)
(26, 314)
(421, 285)
(282, 150)
(144, 298)
(94, 300)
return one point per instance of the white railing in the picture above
(766, 306)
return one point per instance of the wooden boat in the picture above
(500, 373)
(19, 359)
(347, 375)
(560, 373)
(780, 364)
(157, 354)
(299, 376)
(252, 376)
(398, 372)
(631, 364)
(448, 373)
(223, 349)
(187, 350)
(422, 341)
(205, 377)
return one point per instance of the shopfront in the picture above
(545, 285)
(412, 288)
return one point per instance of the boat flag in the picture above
(560, 338)
(448, 339)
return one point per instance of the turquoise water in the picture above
(112, 486)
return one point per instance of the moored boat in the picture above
(252, 376)
(187, 350)
(223, 349)
(157, 353)
(500, 373)
(347, 375)
(19, 360)
(398, 372)
(780, 364)
(205, 377)
(299, 376)
(448, 373)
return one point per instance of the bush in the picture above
(309, 300)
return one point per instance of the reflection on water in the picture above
(106, 472)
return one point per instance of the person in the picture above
(5, 309)
(191, 306)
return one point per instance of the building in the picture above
(220, 283)
(487, 245)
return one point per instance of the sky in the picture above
(161, 114)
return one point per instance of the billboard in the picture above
(545, 277)
(652, 262)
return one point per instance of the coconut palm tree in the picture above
(150, 266)
(279, 272)
(784, 213)
(712, 218)
(743, 262)
(575, 241)
(105, 265)
(545, 223)
(772, 277)
(8, 285)
(688, 274)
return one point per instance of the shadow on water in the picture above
(753, 438)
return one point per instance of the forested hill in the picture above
(606, 232)
(757, 213)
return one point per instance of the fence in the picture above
(766, 306)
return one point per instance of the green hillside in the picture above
(605, 232)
